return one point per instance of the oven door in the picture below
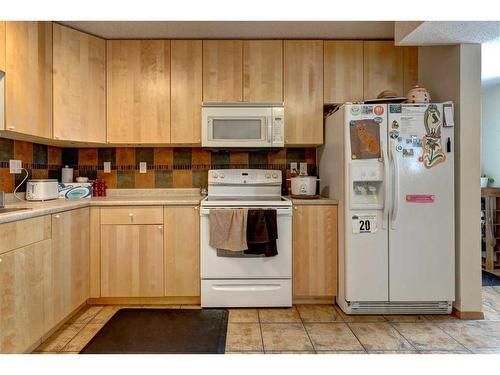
(221, 264)
(236, 127)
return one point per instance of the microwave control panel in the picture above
(278, 118)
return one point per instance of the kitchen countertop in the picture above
(127, 197)
(319, 201)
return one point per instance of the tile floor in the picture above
(321, 329)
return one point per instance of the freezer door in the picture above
(421, 234)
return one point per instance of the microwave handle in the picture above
(269, 132)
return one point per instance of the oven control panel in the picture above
(244, 176)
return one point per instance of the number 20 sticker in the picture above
(364, 224)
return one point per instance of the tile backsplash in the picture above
(167, 167)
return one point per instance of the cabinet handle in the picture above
(0, 260)
(11, 127)
(131, 214)
(295, 208)
(160, 227)
(196, 208)
(57, 216)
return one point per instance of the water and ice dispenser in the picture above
(367, 178)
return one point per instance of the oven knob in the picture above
(214, 175)
(268, 175)
(275, 175)
(222, 175)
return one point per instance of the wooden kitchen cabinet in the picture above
(263, 70)
(343, 62)
(69, 264)
(186, 91)
(138, 91)
(314, 251)
(24, 282)
(28, 78)
(2, 46)
(132, 261)
(303, 92)
(222, 70)
(383, 68)
(79, 86)
(182, 251)
(410, 68)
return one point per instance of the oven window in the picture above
(237, 129)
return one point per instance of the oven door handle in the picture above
(279, 212)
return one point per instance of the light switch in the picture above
(15, 166)
(293, 166)
(143, 166)
(107, 167)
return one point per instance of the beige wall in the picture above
(454, 73)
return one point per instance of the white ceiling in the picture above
(236, 29)
(449, 32)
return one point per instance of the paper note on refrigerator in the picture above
(448, 116)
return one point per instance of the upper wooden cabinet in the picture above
(314, 251)
(138, 91)
(410, 68)
(263, 70)
(186, 91)
(222, 70)
(303, 92)
(343, 61)
(28, 78)
(383, 68)
(79, 86)
(2, 46)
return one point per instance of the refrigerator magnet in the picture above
(408, 152)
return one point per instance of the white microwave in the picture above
(240, 125)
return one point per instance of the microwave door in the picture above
(238, 132)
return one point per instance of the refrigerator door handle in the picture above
(386, 185)
(395, 198)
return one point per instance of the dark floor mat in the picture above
(490, 279)
(132, 331)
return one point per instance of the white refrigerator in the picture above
(391, 168)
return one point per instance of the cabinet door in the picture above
(303, 94)
(263, 70)
(187, 95)
(315, 251)
(132, 261)
(28, 78)
(70, 263)
(22, 290)
(138, 91)
(383, 68)
(222, 70)
(2, 46)
(182, 251)
(410, 68)
(343, 61)
(79, 86)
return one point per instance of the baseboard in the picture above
(320, 300)
(468, 315)
(144, 301)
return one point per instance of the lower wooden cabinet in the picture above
(69, 264)
(24, 284)
(132, 261)
(314, 251)
(182, 251)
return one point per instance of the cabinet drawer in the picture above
(132, 215)
(24, 232)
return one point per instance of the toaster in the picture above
(42, 190)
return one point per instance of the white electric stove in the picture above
(230, 279)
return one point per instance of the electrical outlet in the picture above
(107, 167)
(293, 166)
(303, 169)
(15, 166)
(143, 166)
